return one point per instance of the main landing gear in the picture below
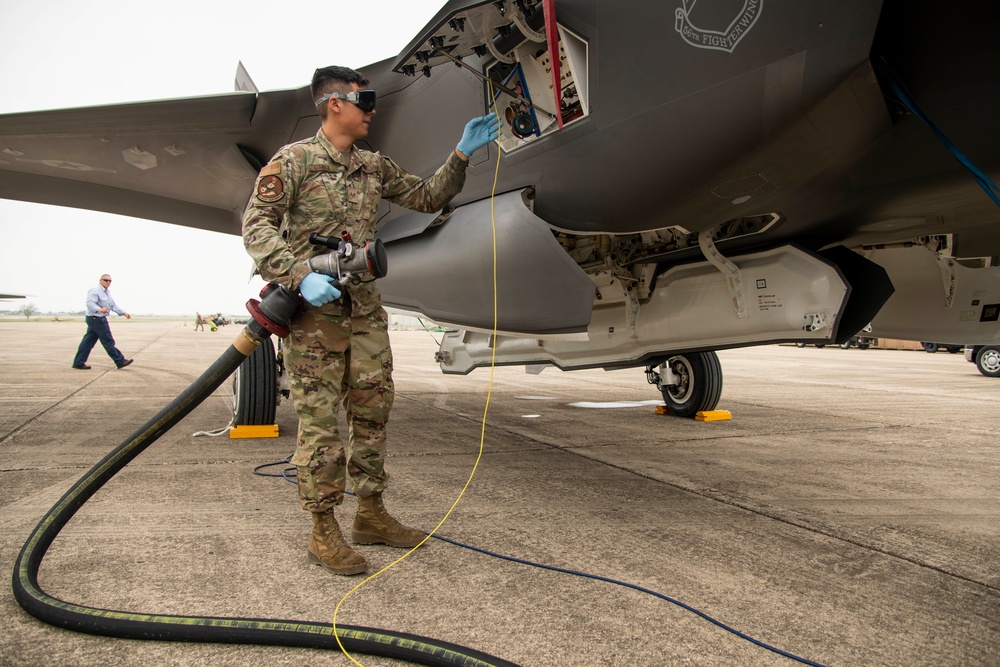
(255, 387)
(690, 383)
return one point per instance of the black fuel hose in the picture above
(223, 630)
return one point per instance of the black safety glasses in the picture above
(362, 99)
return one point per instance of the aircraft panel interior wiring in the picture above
(505, 43)
(526, 120)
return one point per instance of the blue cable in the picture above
(284, 474)
(904, 97)
(553, 568)
(634, 587)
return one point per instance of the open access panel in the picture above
(529, 73)
(505, 42)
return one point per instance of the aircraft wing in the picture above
(190, 162)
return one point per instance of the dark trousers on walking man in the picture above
(98, 329)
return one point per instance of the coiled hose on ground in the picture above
(132, 625)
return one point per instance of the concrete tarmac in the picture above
(848, 513)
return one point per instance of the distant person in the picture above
(99, 304)
(199, 322)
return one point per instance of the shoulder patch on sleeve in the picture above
(270, 169)
(270, 189)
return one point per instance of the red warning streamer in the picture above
(552, 35)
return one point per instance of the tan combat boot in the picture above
(327, 547)
(374, 525)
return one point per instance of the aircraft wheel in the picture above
(699, 383)
(255, 387)
(800, 345)
(930, 347)
(988, 361)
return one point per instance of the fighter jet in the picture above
(675, 177)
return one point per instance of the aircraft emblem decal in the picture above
(719, 40)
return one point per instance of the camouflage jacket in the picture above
(310, 186)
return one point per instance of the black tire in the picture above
(930, 348)
(953, 349)
(864, 346)
(255, 387)
(800, 345)
(988, 360)
(821, 345)
(699, 386)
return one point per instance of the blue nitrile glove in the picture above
(317, 290)
(479, 132)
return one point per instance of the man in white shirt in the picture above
(99, 304)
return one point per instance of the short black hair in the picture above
(326, 80)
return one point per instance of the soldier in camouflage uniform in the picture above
(337, 351)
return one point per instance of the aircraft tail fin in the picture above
(243, 81)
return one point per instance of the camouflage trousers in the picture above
(333, 361)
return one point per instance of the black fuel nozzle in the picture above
(331, 242)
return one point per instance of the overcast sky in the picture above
(63, 53)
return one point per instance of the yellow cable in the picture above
(482, 434)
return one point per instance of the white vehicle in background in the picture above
(986, 358)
